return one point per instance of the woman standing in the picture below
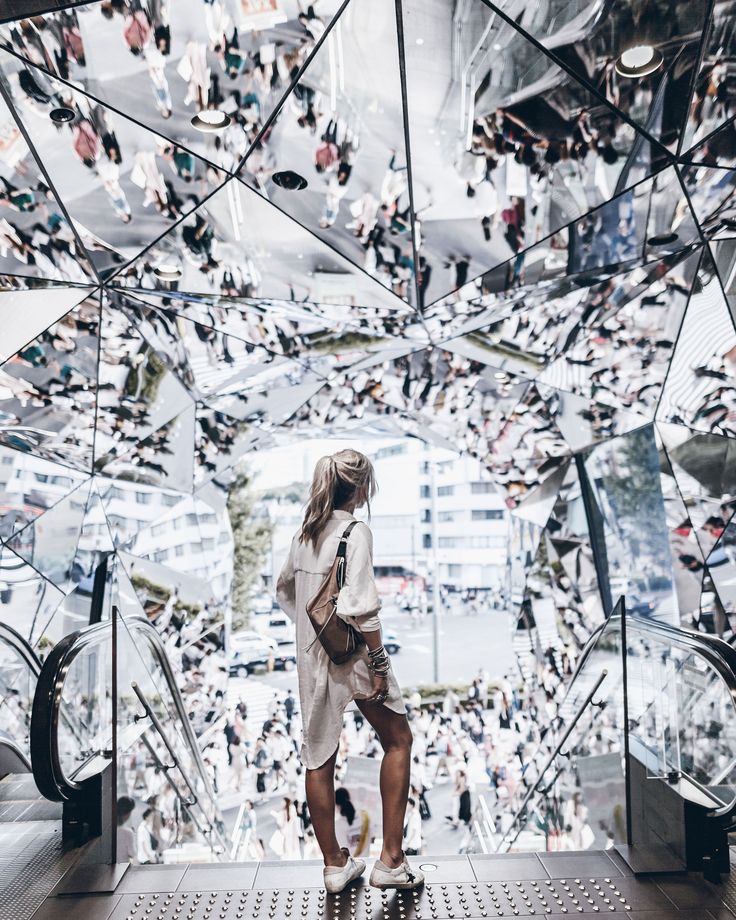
(343, 482)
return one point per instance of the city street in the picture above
(460, 658)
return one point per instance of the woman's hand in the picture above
(379, 688)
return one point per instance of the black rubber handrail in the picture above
(48, 771)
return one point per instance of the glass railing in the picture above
(19, 670)
(107, 694)
(586, 749)
(648, 699)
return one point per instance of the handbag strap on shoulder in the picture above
(341, 554)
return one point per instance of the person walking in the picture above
(343, 482)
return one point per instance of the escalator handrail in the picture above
(717, 652)
(47, 769)
(22, 646)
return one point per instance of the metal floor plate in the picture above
(476, 899)
(32, 863)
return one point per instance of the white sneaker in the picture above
(339, 877)
(403, 876)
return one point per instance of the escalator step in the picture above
(16, 786)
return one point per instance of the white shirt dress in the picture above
(325, 688)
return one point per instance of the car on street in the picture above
(391, 643)
(249, 640)
(242, 664)
(280, 628)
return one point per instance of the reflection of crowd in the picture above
(52, 379)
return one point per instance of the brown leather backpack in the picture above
(340, 639)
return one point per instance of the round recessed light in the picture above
(209, 120)
(290, 180)
(167, 272)
(428, 867)
(62, 115)
(639, 61)
(663, 239)
(420, 41)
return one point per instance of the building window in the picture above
(426, 541)
(424, 491)
(454, 571)
(487, 514)
(481, 488)
(426, 517)
(445, 516)
(446, 490)
(424, 468)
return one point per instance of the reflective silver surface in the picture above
(453, 221)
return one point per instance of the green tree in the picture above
(251, 539)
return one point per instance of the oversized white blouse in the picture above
(325, 688)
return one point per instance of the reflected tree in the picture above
(251, 540)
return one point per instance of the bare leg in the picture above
(320, 787)
(395, 736)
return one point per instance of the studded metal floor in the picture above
(550, 885)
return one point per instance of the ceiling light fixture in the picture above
(420, 41)
(62, 115)
(211, 120)
(639, 61)
(167, 272)
(289, 180)
(663, 239)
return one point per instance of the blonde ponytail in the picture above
(337, 479)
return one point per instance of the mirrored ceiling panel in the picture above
(137, 393)
(29, 599)
(335, 158)
(118, 180)
(712, 100)
(131, 506)
(643, 224)
(164, 458)
(704, 467)
(718, 149)
(506, 146)
(36, 238)
(50, 542)
(48, 390)
(700, 390)
(29, 486)
(27, 309)
(639, 56)
(617, 355)
(722, 567)
(207, 362)
(163, 64)
(237, 241)
(711, 194)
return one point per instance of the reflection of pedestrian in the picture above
(352, 828)
(413, 830)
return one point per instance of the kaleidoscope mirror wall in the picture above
(506, 230)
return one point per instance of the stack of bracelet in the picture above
(378, 660)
